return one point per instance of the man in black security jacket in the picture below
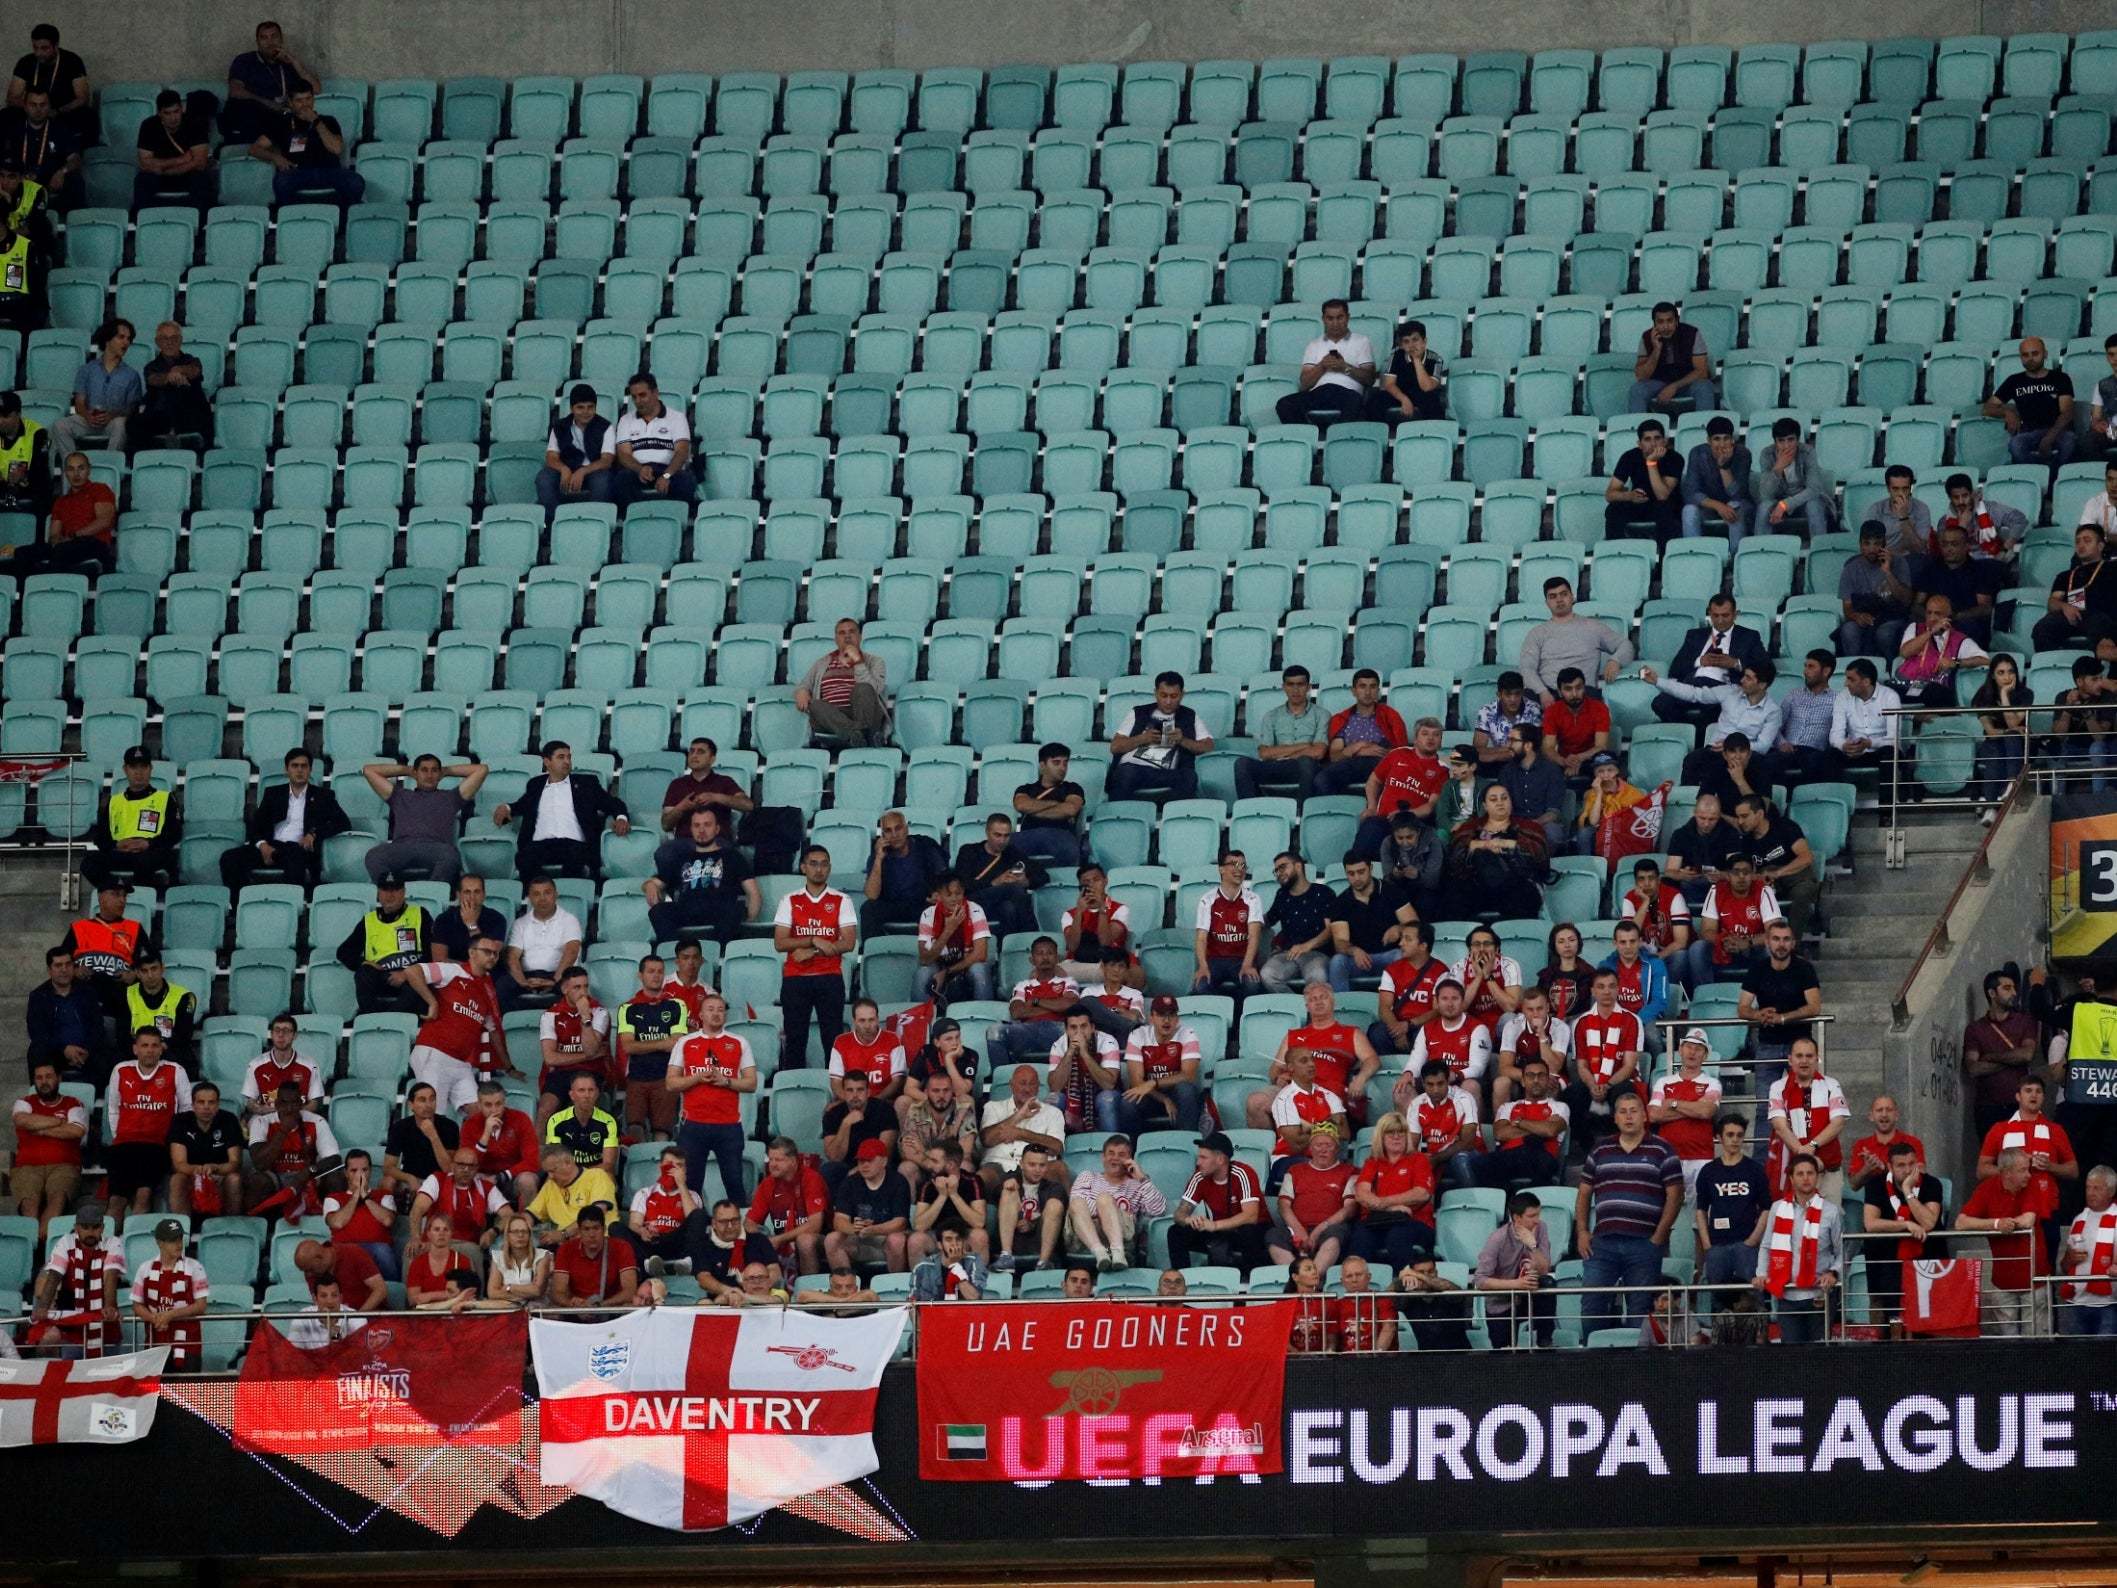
(577, 455)
(560, 819)
(287, 829)
(1715, 653)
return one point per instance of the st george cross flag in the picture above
(696, 1419)
(106, 1401)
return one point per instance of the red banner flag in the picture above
(1041, 1391)
(1940, 1296)
(417, 1382)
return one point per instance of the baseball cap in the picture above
(1601, 758)
(138, 756)
(941, 1028)
(389, 882)
(170, 1230)
(873, 1147)
(1164, 1005)
(1697, 1034)
(1217, 1141)
(114, 885)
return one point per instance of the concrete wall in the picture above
(181, 39)
(2005, 916)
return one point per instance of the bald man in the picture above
(2035, 403)
(176, 390)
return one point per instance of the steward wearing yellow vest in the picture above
(155, 1001)
(25, 460)
(137, 838)
(22, 270)
(382, 943)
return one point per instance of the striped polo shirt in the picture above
(1626, 1188)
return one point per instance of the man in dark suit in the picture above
(562, 815)
(287, 829)
(1711, 655)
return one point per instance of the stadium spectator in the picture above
(2035, 403)
(1662, 917)
(594, 1268)
(50, 1126)
(1501, 720)
(347, 1270)
(1078, 1283)
(505, 1141)
(62, 75)
(868, 1051)
(1869, 1158)
(45, 147)
(2082, 609)
(1310, 1331)
(419, 1141)
(1744, 703)
(1566, 640)
(451, 933)
(1577, 728)
(997, 877)
(1459, 1035)
(1567, 978)
(1299, 1107)
(1902, 1200)
(170, 1293)
(174, 157)
(1337, 369)
(579, 455)
(145, 1097)
(1607, 795)
(2089, 1256)
(281, 1060)
(662, 1209)
(1315, 1202)
(567, 1191)
(851, 1120)
(1645, 491)
(1998, 1049)
(307, 154)
(1533, 1030)
(1971, 584)
(845, 692)
(1443, 1117)
(1682, 1106)
(1497, 860)
(1875, 594)
(1731, 920)
(955, 947)
(1781, 858)
(543, 943)
(1394, 1194)
(24, 307)
(519, 1273)
(1412, 861)
(289, 1149)
(1160, 1086)
(1227, 932)
(1529, 1130)
(2003, 725)
(1789, 481)
(135, 838)
(424, 818)
(1515, 1262)
(2007, 1208)
(653, 447)
(63, 1018)
(1361, 1320)
(813, 928)
(261, 85)
(1049, 810)
(79, 1281)
(562, 814)
(1368, 919)
(946, 1112)
(1700, 852)
(1033, 1199)
(1415, 386)
(1434, 1307)
(871, 1215)
(1087, 1071)
(460, 1035)
(1715, 653)
(1109, 1208)
(153, 1001)
(1731, 1198)
(1630, 1190)
(1220, 1216)
(701, 882)
(585, 1128)
(1534, 782)
(952, 1273)
(1299, 922)
(1346, 1061)
(1156, 751)
(1404, 1002)
(1780, 996)
(709, 1070)
(1011, 1123)
(789, 1211)
(1716, 479)
(1293, 742)
(287, 829)
(1608, 1044)
(1734, 773)
(2048, 1146)
(1906, 520)
(1806, 1112)
(1932, 653)
(1801, 753)
(468, 1200)
(1673, 369)
(1407, 779)
(700, 787)
(362, 1214)
(107, 393)
(902, 870)
(106, 947)
(1037, 1007)
(80, 536)
(1803, 1255)
(1359, 736)
(2101, 439)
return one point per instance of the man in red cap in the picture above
(870, 1215)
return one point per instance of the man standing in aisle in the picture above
(814, 927)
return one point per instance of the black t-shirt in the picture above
(707, 873)
(2086, 581)
(449, 930)
(949, 1218)
(1977, 577)
(414, 1153)
(874, 1121)
(303, 146)
(1366, 922)
(1775, 848)
(56, 76)
(1632, 472)
(42, 150)
(924, 1065)
(708, 1256)
(206, 1145)
(1299, 917)
(980, 868)
(1424, 404)
(159, 141)
(1697, 851)
(856, 1199)
(1782, 990)
(1732, 1199)
(1928, 1189)
(2035, 397)
(1060, 791)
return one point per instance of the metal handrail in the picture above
(71, 848)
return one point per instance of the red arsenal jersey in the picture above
(142, 1107)
(469, 1012)
(1411, 991)
(726, 1054)
(1601, 1041)
(1408, 779)
(878, 1060)
(1226, 922)
(1687, 1138)
(1738, 914)
(1333, 1047)
(815, 919)
(32, 1147)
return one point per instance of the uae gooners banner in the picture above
(107, 1401)
(418, 1382)
(694, 1420)
(1039, 1391)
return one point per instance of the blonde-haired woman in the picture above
(520, 1273)
(1394, 1194)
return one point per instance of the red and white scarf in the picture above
(2100, 1250)
(1909, 1247)
(1793, 1252)
(2030, 1135)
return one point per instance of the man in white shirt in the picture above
(2101, 511)
(1860, 731)
(653, 445)
(1337, 368)
(541, 945)
(1009, 1124)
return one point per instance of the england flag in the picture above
(106, 1400)
(696, 1419)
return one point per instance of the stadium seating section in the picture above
(989, 359)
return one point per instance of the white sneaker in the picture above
(1988, 816)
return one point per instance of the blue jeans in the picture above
(1054, 846)
(1134, 1118)
(1699, 394)
(1804, 1320)
(1343, 968)
(1225, 975)
(1815, 509)
(723, 1143)
(1695, 522)
(979, 976)
(1254, 774)
(1027, 1041)
(2023, 444)
(1699, 966)
(1128, 782)
(1107, 1106)
(1733, 1263)
(595, 488)
(385, 1256)
(333, 182)
(625, 487)
(2087, 1321)
(1618, 1260)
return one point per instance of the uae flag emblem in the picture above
(962, 1442)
